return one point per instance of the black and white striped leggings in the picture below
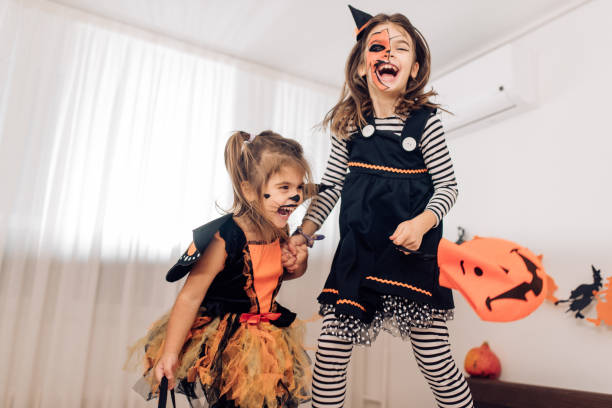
(431, 349)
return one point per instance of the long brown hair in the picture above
(355, 102)
(252, 161)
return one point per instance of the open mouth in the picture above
(385, 71)
(286, 210)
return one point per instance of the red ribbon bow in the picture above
(254, 318)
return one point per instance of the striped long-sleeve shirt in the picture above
(437, 160)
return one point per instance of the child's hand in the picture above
(166, 366)
(288, 256)
(300, 258)
(295, 241)
(408, 234)
(299, 263)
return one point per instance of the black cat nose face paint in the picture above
(295, 198)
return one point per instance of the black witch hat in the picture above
(361, 20)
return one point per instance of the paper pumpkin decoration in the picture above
(501, 280)
(604, 305)
(551, 289)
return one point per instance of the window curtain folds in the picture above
(111, 151)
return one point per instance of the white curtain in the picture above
(111, 151)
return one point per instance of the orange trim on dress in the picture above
(350, 302)
(405, 285)
(334, 291)
(385, 168)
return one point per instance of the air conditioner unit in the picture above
(485, 90)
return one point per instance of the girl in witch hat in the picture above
(390, 164)
(226, 337)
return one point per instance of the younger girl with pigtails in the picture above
(390, 165)
(226, 338)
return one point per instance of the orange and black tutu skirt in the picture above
(232, 360)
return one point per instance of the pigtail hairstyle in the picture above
(250, 162)
(355, 102)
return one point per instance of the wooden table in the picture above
(500, 394)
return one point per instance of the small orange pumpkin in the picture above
(482, 362)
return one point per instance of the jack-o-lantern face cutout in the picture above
(501, 280)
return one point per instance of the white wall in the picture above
(542, 179)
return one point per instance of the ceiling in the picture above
(311, 39)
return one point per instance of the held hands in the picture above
(295, 251)
(410, 233)
(294, 255)
(296, 240)
(166, 366)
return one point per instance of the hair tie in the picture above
(310, 239)
(246, 142)
(251, 138)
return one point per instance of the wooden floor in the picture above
(501, 394)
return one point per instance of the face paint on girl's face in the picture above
(389, 58)
(284, 191)
(379, 50)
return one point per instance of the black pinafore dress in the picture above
(372, 284)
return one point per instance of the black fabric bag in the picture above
(163, 394)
